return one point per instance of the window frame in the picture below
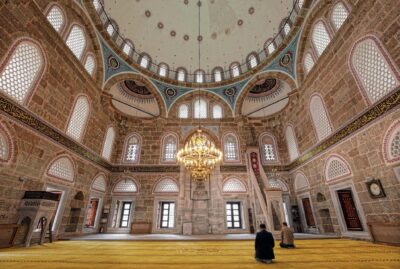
(161, 204)
(238, 152)
(122, 214)
(85, 47)
(138, 154)
(85, 124)
(274, 144)
(240, 215)
(163, 148)
(63, 27)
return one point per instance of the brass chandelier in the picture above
(199, 155)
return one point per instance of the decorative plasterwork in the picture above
(189, 128)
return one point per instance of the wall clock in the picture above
(375, 188)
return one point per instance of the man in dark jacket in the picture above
(264, 245)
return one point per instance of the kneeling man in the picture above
(286, 237)
(264, 245)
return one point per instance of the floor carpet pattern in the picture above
(328, 253)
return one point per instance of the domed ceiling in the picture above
(167, 30)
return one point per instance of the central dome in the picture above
(167, 30)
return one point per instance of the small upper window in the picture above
(235, 69)
(320, 37)
(286, 29)
(128, 48)
(96, 4)
(252, 60)
(162, 70)
(270, 46)
(217, 75)
(339, 15)
(132, 149)
(108, 143)
(199, 74)
(217, 112)
(76, 41)
(308, 62)
(200, 109)
(231, 148)
(181, 74)
(169, 148)
(56, 18)
(90, 64)
(183, 111)
(145, 61)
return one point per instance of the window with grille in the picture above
(199, 76)
(394, 151)
(268, 148)
(183, 111)
(108, 143)
(167, 216)
(76, 41)
(99, 183)
(200, 109)
(301, 182)
(90, 64)
(132, 149)
(162, 71)
(4, 147)
(233, 215)
(96, 4)
(308, 62)
(56, 18)
(217, 112)
(336, 168)
(217, 75)
(79, 118)
(320, 118)
(291, 143)
(231, 148)
(127, 48)
(271, 47)
(125, 214)
(286, 29)
(339, 15)
(166, 185)
(62, 168)
(233, 185)
(125, 185)
(269, 153)
(145, 61)
(21, 72)
(235, 70)
(320, 37)
(181, 75)
(372, 70)
(170, 147)
(252, 60)
(110, 29)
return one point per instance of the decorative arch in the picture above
(55, 15)
(301, 182)
(336, 167)
(143, 80)
(132, 148)
(126, 185)
(279, 184)
(166, 186)
(169, 143)
(391, 144)
(99, 183)
(6, 145)
(268, 148)
(233, 185)
(374, 70)
(231, 148)
(291, 143)
(17, 82)
(62, 168)
(319, 115)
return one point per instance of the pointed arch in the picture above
(339, 14)
(169, 149)
(268, 148)
(21, 69)
(320, 37)
(336, 167)
(79, 118)
(55, 15)
(6, 145)
(291, 143)
(231, 147)
(373, 69)
(76, 40)
(319, 116)
(125, 185)
(63, 168)
(301, 182)
(99, 183)
(166, 186)
(132, 149)
(233, 185)
(108, 143)
(391, 144)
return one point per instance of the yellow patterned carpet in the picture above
(331, 253)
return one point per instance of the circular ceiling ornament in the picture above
(170, 92)
(186, 2)
(160, 25)
(200, 38)
(113, 63)
(186, 37)
(251, 10)
(230, 92)
(136, 89)
(240, 22)
(264, 87)
(172, 33)
(147, 13)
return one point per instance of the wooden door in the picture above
(308, 212)
(349, 210)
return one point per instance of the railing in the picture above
(208, 77)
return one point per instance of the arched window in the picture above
(183, 111)
(170, 145)
(200, 109)
(235, 70)
(99, 183)
(56, 18)
(62, 168)
(90, 64)
(96, 4)
(79, 117)
(291, 143)
(286, 29)
(391, 144)
(336, 168)
(233, 185)
(373, 69)
(308, 62)
(319, 117)
(181, 74)
(145, 61)
(199, 75)
(268, 149)
(163, 70)
(127, 48)
(108, 143)
(218, 74)
(320, 37)
(252, 60)
(300, 3)
(5, 145)
(125, 185)
(112, 28)
(132, 149)
(22, 70)
(217, 112)
(339, 15)
(166, 185)
(278, 184)
(301, 182)
(231, 148)
(269, 46)
(76, 41)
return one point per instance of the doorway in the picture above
(308, 212)
(349, 210)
